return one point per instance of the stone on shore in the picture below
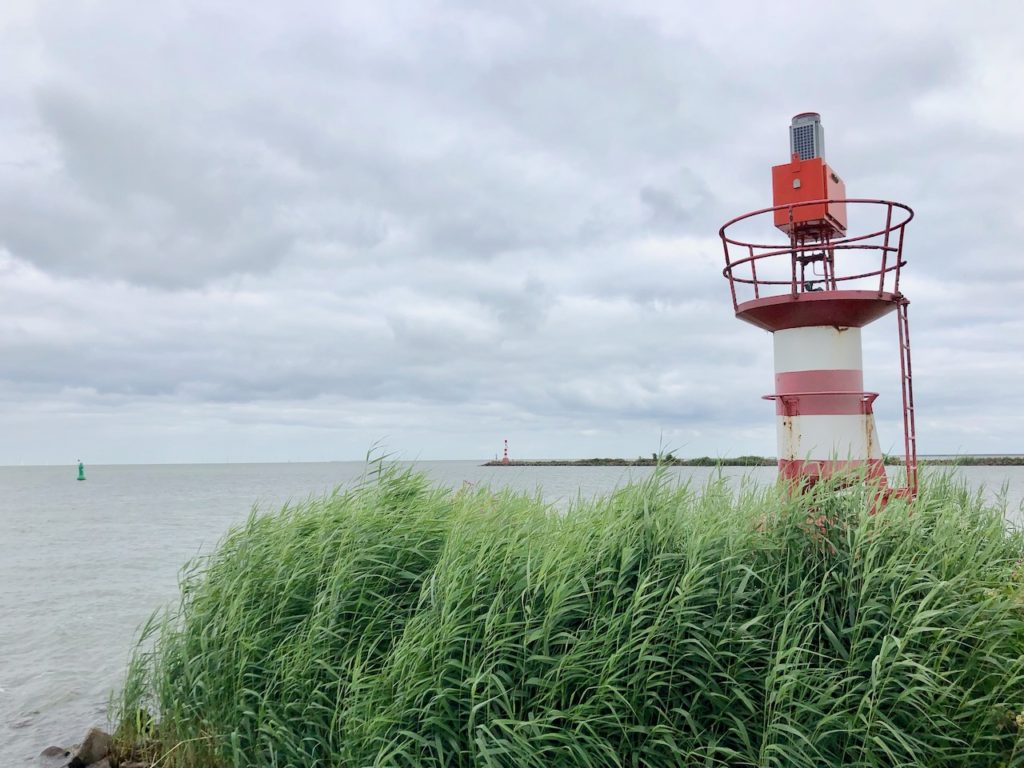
(93, 752)
(93, 749)
(54, 757)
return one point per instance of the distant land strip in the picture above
(752, 461)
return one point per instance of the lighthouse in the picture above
(813, 270)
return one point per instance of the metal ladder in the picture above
(907, 380)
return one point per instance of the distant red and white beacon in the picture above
(814, 292)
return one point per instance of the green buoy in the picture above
(81, 470)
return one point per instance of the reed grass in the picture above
(398, 624)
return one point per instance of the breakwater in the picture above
(751, 461)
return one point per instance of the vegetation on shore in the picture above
(751, 461)
(964, 461)
(398, 624)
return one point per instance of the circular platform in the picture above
(841, 309)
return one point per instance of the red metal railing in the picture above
(790, 399)
(866, 261)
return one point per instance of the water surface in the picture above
(82, 565)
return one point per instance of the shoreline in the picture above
(749, 461)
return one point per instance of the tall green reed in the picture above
(401, 624)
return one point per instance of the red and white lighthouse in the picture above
(814, 291)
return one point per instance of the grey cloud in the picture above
(448, 221)
(196, 190)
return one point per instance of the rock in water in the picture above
(53, 757)
(94, 748)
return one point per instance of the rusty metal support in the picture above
(907, 386)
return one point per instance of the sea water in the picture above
(83, 564)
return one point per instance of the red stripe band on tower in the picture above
(845, 379)
(795, 469)
(836, 392)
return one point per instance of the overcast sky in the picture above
(290, 231)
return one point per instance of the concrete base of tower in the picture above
(842, 309)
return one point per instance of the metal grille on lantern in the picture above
(806, 136)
